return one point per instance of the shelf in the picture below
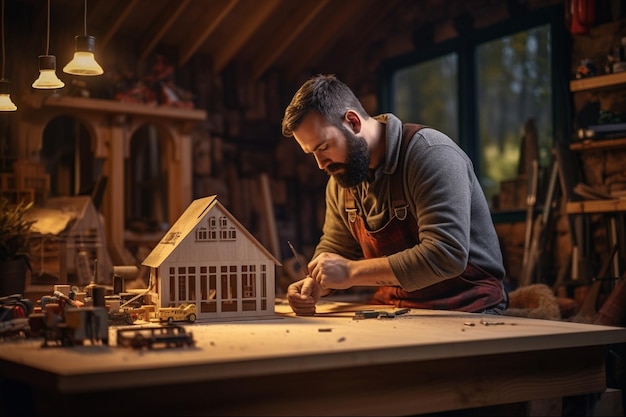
(591, 144)
(95, 105)
(596, 206)
(598, 82)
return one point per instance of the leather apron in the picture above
(473, 291)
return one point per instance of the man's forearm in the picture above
(372, 272)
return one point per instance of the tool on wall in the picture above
(531, 200)
(539, 231)
(589, 307)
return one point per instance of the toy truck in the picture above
(182, 312)
(14, 313)
(74, 326)
(171, 335)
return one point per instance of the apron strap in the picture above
(350, 205)
(398, 203)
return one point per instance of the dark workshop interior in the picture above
(190, 104)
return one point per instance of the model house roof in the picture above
(187, 223)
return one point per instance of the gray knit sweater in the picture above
(444, 194)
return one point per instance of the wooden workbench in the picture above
(330, 364)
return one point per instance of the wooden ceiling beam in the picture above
(269, 56)
(312, 35)
(248, 28)
(351, 15)
(166, 19)
(334, 29)
(94, 13)
(196, 40)
(117, 22)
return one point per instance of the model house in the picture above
(208, 258)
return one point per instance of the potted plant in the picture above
(15, 245)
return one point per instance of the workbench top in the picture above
(285, 342)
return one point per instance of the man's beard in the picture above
(356, 167)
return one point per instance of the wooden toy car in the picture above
(183, 312)
(170, 335)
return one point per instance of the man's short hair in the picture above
(324, 94)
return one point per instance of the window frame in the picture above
(465, 48)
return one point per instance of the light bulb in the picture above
(47, 74)
(84, 62)
(6, 104)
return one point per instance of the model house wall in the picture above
(69, 243)
(208, 258)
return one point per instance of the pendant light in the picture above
(47, 66)
(84, 62)
(5, 99)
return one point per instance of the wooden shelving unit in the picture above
(598, 82)
(613, 205)
(117, 107)
(612, 208)
(598, 145)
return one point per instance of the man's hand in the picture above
(303, 295)
(331, 271)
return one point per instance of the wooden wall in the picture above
(242, 137)
(240, 143)
(605, 170)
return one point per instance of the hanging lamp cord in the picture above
(84, 19)
(48, 31)
(3, 54)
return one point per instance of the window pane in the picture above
(514, 85)
(427, 93)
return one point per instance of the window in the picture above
(514, 88)
(201, 234)
(429, 91)
(481, 90)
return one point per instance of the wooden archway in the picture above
(112, 124)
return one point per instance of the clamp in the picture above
(378, 314)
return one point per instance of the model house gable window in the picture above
(227, 231)
(228, 234)
(202, 234)
(207, 233)
(212, 222)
